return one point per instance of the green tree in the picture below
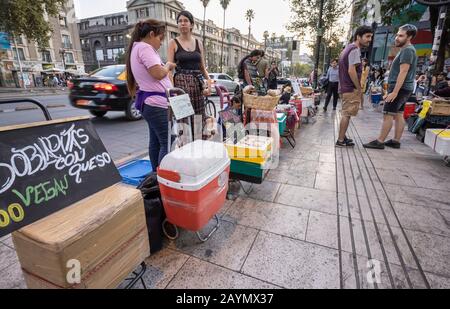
(249, 15)
(224, 4)
(306, 18)
(232, 72)
(205, 4)
(121, 58)
(266, 37)
(24, 17)
(301, 69)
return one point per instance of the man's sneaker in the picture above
(374, 145)
(393, 144)
(346, 139)
(345, 143)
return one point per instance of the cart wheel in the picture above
(216, 227)
(171, 237)
(447, 161)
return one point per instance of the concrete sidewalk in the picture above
(317, 221)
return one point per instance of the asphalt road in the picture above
(122, 138)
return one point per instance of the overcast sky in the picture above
(271, 15)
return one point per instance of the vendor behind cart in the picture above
(147, 73)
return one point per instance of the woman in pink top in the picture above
(148, 79)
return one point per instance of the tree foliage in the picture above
(24, 17)
(301, 70)
(305, 18)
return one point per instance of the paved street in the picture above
(114, 130)
(316, 221)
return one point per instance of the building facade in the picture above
(63, 53)
(384, 51)
(236, 44)
(103, 39)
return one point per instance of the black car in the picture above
(102, 91)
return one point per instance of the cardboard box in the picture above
(438, 140)
(105, 232)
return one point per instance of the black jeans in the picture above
(332, 90)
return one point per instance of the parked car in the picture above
(102, 91)
(224, 80)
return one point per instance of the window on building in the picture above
(46, 56)
(69, 58)
(120, 38)
(120, 20)
(108, 38)
(19, 40)
(114, 38)
(66, 42)
(109, 53)
(173, 15)
(147, 12)
(21, 53)
(82, 42)
(63, 21)
(113, 21)
(107, 21)
(173, 35)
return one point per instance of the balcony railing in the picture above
(67, 45)
(103, 28)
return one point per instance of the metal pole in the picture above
(324, 58)
(385, 48)
(437, 43)
(319, 40)
(223, 38)
(20, 63)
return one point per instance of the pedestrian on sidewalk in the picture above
(188, 53)
(273, 75)
(247, 70)
(263, 69)
(147, 73)
(350, 71)
(333, 85)
(364, 79)
(400, 87)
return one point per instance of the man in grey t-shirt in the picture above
(401, 85)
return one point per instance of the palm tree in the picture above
(249, 15)
(224, 4)
(266, 37)
(205, 4)
(273, 38)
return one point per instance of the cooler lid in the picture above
(195, 159)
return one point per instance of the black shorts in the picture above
(398, 105)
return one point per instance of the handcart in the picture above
(193, 177)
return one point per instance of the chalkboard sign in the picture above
(47, 167)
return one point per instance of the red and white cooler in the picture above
(194, 182)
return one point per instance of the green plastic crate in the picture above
(281, 117)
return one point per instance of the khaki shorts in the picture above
(351, 103)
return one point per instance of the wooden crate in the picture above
(106, 233)
(440, 107)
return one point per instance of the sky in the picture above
(275, 13)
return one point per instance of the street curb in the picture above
(131, 157)
(28, 108)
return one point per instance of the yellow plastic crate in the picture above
(252, 149)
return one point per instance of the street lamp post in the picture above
(319, 41)
(62, 52)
